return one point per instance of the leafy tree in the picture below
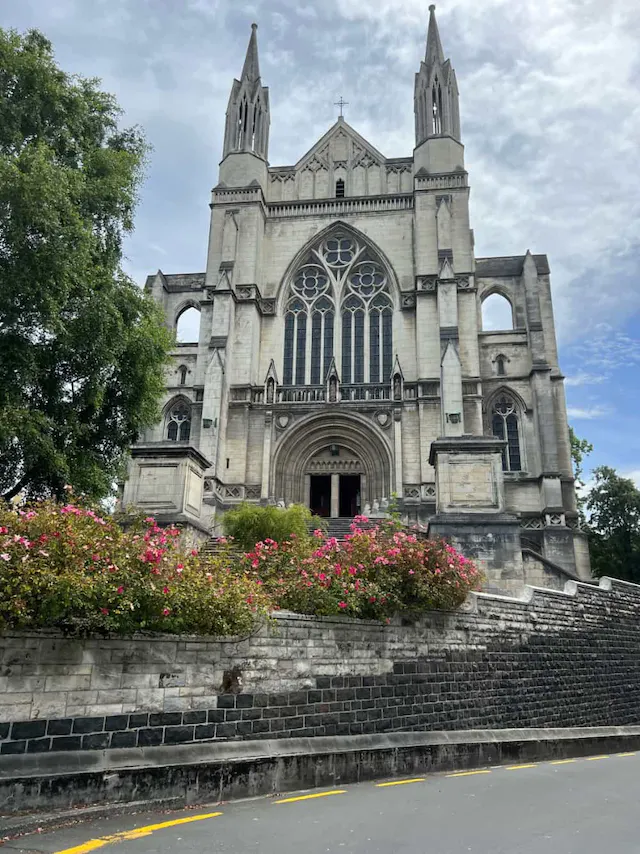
(614, 525)
(82, 349)
(580, 448)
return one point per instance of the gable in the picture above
(341, 146)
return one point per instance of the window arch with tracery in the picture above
(179, 422)
(339, 271)
(505, 425)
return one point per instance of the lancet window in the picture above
(436, 107)
(341, 272)
(505, 425)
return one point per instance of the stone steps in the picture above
(337, 527)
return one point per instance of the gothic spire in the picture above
(251, 68)
(434, 54)
(248, 118)
(436, 91)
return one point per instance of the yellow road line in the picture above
(625, 754)
(466, 773)
(310, 797)
(135, 833)
(518, 767)
(400, 782)
(593, 758)
(563, 761)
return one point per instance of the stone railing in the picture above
(341, 207)
(441, 182)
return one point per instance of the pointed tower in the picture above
(246, 135)
(437, 114)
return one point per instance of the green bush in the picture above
(249, 524)
(68, 567)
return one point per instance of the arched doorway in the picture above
(334, 463)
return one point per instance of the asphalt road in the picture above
(586, 806)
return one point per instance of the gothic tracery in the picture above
(340, 271)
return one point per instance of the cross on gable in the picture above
(341, 103)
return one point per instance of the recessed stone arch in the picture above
(352, 434)
(187, 322)
(497, 311)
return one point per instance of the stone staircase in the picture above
(338, 528)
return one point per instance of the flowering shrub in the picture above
(376, 572)
(68, 567)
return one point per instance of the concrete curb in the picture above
(42, 790)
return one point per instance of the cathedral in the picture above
(341, 359)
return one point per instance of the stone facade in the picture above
(341, 336)
(550, 658)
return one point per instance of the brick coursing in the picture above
(560, 659)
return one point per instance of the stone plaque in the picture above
(471, 483)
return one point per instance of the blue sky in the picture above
(550, 107)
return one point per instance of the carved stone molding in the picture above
(408, 301)
(428, 490)
(246, 293)
(321, 466)
(283, 420)
(267, 306)
(383, 418)
(426, 283)
(532, 523)
(464, 283)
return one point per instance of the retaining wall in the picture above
(551, 658)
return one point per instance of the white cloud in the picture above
(585, 379)
(588, 413)
(606, 349)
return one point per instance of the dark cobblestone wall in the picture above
(557, 659)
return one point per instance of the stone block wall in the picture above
(551, 658)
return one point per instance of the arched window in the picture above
(179, 422)
(436, 107)
(504, 425)
(188, 326)
(339, 189)
(500, 365)
(183, 374)
(497, 313)
(254, 129)
(359, 336)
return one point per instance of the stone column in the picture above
(335, 495)
(266, 457)
(307, 490)
(397, 435)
